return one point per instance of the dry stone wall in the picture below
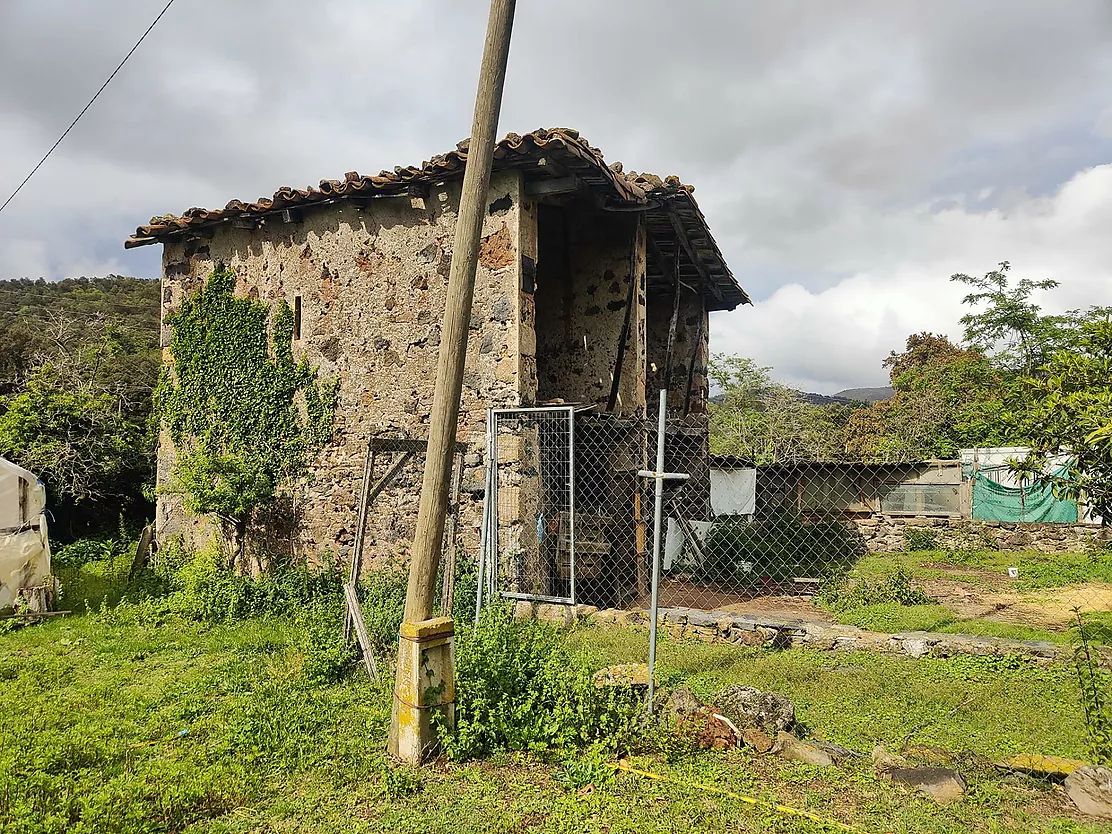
(889, 534)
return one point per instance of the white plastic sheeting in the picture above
(733, 491)
(24, 544)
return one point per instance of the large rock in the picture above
(940, 783)
(749, 707)
(791, 748)
(885, 760)
(1054, 768)
(681, 704)
(759, 740)
(633, 675)
(1090, 788)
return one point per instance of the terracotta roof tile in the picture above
(562, 146)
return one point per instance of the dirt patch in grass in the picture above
(683, 593)
(1050, 608)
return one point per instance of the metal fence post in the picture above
(658, 511)
(571, 501)
(660, 476)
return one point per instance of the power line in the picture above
(87, 106)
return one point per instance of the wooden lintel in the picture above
(550, 187)
(404, 444)
(196, 233)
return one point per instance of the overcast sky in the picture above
(849, 156)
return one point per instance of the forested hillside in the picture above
(78, 361)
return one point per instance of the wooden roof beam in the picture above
(693, 256)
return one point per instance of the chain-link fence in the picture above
(886, 547)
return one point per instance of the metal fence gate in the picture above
(529, 517)
(565, 513)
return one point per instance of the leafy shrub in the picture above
(203, 588)
(82, 551)
(326, 657)
(778, 548)
(895, 588)
(519, 688)
(917, 539)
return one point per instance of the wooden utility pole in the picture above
(425, 679)
(457, 316)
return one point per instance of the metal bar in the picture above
(352, 599)
(658, 508)
(571, 497)
(484, 543)
(495, 543)
(532, 410)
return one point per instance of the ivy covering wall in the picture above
(246, 417)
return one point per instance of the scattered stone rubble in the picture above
(1090, 789)
(786, 632)
(765, 722)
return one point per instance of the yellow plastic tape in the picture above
(749, 800)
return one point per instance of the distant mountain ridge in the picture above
(866, 395)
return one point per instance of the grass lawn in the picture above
(115, 726)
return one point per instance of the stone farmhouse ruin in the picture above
(593, 291)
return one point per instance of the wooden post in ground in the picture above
(425, 681)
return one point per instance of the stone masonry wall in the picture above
(372, 286)
(887, 534)
(582, 304)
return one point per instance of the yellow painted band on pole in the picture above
(749, 800)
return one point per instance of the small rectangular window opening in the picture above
(297, 318)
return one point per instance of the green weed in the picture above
(897, 588)
(519, 689)
(919, 538)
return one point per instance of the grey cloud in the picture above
(822, 137)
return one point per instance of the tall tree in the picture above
(1010, 327)
(78, 361)
(766, 422)
(1070, 411)
(946, 398)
